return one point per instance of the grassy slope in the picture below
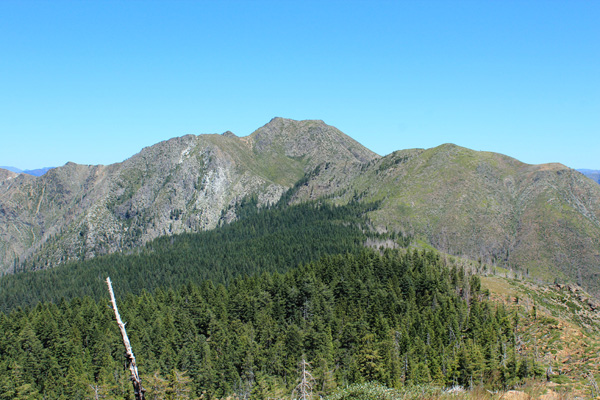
(274, 166)
(558, 326)
(544, 219)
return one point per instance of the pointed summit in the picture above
(313, 140)
(183, 184)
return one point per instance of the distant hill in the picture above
(540, 219)
(38, 172)
(185, 184)
(592, 174)
(13, 169)
(34, 172)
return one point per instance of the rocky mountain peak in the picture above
(488, 206)
(312, 140)
(6, 174)
(187, 183)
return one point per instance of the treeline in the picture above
(268, 240)
(400, 318)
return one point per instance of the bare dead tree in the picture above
(135, 377)
(304, 388)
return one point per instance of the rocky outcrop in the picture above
(7, 175)
(188, 183)
(543, 220)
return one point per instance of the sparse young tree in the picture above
(156, 386)
(179, 386)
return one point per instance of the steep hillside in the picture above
(34, 172)
(183, 184)
(312, 141)
(7, 174)
(541, 219)
(592, 174)
(273, 239)
(559, 326)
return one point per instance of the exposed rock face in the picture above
(187, 183)
(6, 174)
(541, 219)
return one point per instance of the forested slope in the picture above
(398, 318)
(267, 240)
(78, 212)
(543, 220)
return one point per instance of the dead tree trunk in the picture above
(135, 377)
(304, 388)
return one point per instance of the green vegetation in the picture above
(377, 391)
(401, 319)
(540, 219)
(558, 325)
(271, 240)
(232, 311)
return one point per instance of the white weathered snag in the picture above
(305, 387)
(135, 377)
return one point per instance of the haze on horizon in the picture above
(95, 82)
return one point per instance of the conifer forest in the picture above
(234, 312)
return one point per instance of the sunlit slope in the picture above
(185, 184)
(541, 219)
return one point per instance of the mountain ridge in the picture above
(539, 219)
(34, 172)
(592, 174)
(482, 205)
(188, 183)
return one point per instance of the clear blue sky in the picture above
(95, 81)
